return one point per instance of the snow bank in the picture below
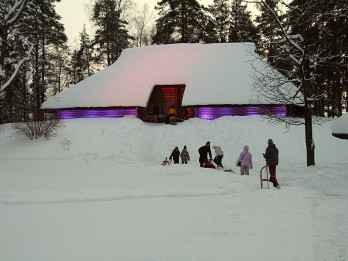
(107, 197)
(340, 125)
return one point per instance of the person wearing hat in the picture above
(245, 161)
(203, 154)
(172, 111)
(185, 156)
(175, 155)
(271, 157)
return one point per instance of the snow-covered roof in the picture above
(212, 73)
(340, 125)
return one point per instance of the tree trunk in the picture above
(184, 38)
(36, 82)
(43, 72)
(310, 146)
(3, 35)
(25, 99)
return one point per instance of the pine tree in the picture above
(325, 27)
(38, 25)
(242, 28)
(300, 50)
(206, 32)
(82, 59)
(57, 76)
(178, 22)
(13, 39)
(221, 14)
(111, 35)
(47, 32)
(268, 29)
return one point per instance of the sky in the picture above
(75, 14)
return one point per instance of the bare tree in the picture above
(298, 60)
(10, 21)
(142, 30)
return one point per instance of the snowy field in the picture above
(107, 197)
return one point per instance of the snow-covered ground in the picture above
(108, 198)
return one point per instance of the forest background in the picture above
(36, 61)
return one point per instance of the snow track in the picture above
(108, 193)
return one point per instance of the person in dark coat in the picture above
(271, 157)
(175, 155)
(155, 113)
(185, 156)
(185, 113)
(167, 119)
(203, 154)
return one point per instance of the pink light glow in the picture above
(110, 113)
(212, 113)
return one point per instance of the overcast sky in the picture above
(74, 15)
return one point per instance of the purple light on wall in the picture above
(212, 113)
(109, 113)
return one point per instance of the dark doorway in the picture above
(164, 96)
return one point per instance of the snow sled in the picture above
(264, 177)
(209, 165)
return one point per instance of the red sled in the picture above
(209, 165)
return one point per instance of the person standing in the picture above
(245, 161)
(175, 155)
(155, 113)
(271, 157)
(185, 113)
(185, 156)
(203, 154)
(218, 156)
(172, 111)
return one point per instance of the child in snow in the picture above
(271, 157)
(218, 156)
(175, 155)
(245, 161)
(185, 156)
(209, 165)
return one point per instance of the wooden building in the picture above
(210, 80)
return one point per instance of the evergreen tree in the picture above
(309, 53)
(325, 27)
(269, 30)
(206, 32)
(221, 14)
(59, 70)
(242, 28)
(178, 22)
(13, 39)
(39, 25)
(47, 32)
(82, 59)
(111, 35)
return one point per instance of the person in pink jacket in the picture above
(245, 160)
